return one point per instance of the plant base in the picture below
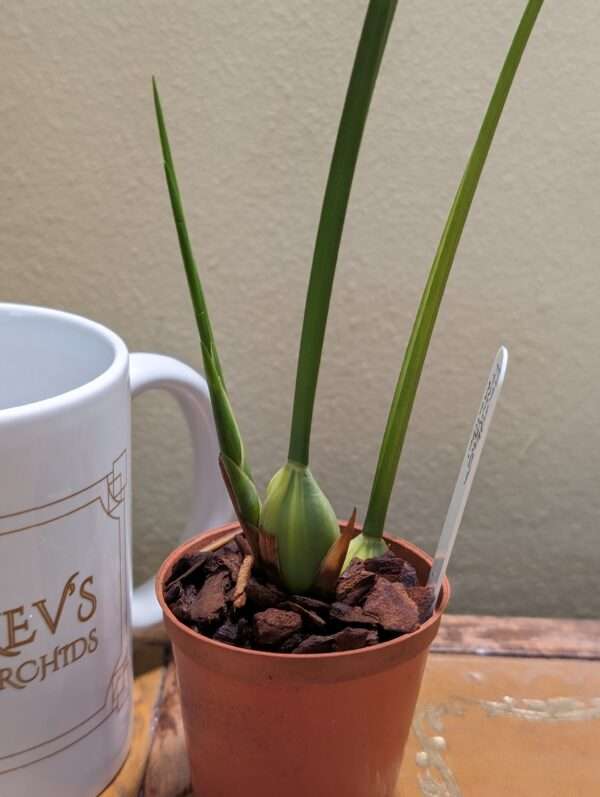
(216, 594)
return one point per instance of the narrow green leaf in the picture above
(416, 351)
(230, 439)
(191, 271)
(358, 98)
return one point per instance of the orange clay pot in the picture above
(287, 725)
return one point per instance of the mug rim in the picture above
(67, 399)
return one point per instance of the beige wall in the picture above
(253, 92)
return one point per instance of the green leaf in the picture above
(418, 345)
(354, 115)
(230, 439)
(191, 271)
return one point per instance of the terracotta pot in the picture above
(286, 725)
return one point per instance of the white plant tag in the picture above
(467, 471)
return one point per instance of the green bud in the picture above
(365, 547)
(297, 512)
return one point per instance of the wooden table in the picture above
(509, 706)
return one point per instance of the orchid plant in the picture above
(294, 532)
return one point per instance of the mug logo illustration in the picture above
(74, 637)
(20, 633)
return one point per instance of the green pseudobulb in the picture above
(297, 512)
(365, 547)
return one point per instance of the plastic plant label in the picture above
(468, 469)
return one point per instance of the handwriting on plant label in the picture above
(482, 415)
(20, 626)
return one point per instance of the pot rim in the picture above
(196, 637)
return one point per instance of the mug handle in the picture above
(211, 506)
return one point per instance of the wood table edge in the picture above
(518, 636)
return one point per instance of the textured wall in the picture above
(253, 92)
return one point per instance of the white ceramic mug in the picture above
(66, 599)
